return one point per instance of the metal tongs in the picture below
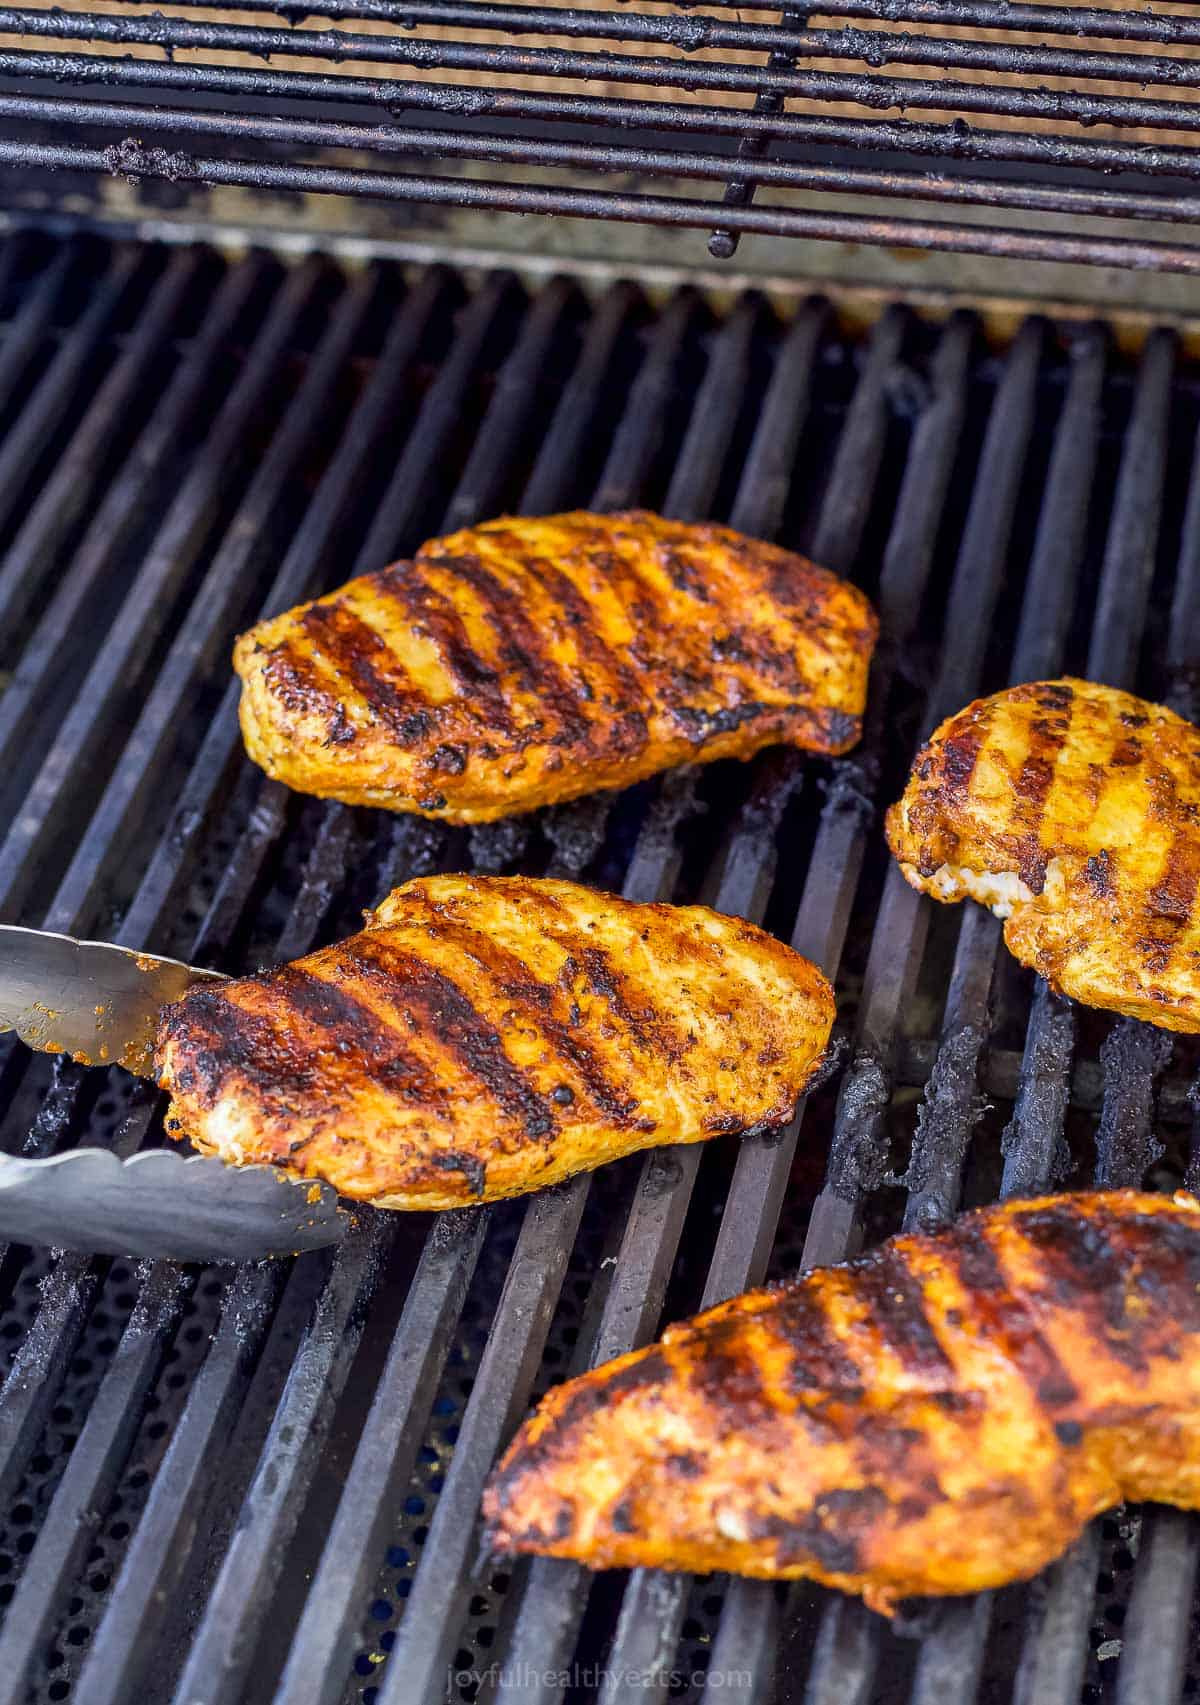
(101, 1005)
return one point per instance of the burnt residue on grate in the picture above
(263, 1484)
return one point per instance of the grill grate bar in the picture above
(1034, 1135)
(653, 1606)
(62, 777)
(1055, 1648)
(240, 1597)
(58, 386)
(125, 1642)
(1157, 1628)
(760, 1175)
(31, 323)
(952, 1105)
(112, 527)
(859, 1144)
(883, 229)
(72, 484)
(899, 933)
(549, 1611)
(216, 605)
(91, 1475)
(425, 1638)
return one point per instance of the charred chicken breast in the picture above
(941, 1416)
(1073, 811)
(485, 1036)
(529, 661)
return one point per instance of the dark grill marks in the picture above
(1172, 901)
(833, 1532)
(220, 1040)
(1048, 735)
(1003, 1315)
(433, 614)
(820, 1361)
(354, 1032)
(728, 1378)
(1097, 873)
(960, 753)
(465, 1034)
(896, 1309)
(521, 646)
(623, 687)
(1167, 1273)
(1083, 1272)
(357, 653)
(471, 1167)
(649, 1027)
(512, 978)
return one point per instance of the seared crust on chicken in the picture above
(529, 661)
(484, 1036)
(1073, 810)
(943, 1415)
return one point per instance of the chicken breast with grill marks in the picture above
(943, 1415)
(484, 1036)
(1073, 810)
(530, 661)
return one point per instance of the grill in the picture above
(1055, 121)
(262, 1484)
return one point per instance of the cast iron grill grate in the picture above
(263, 1484)
(972, 125)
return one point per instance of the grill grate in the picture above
(263, 1484)
(777, 122)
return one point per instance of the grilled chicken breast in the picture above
(529, 661)
(484, 1036)
(1073, 811)
(940, 1416)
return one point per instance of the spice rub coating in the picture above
(1073, 811)
(943, 1415)
(484, 1036)
(529, 661)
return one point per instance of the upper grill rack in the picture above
(494, 105)
(206, 1479)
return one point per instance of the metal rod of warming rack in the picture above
(876, 48)
(957, 141)
(695, 30)
(179, 122)
(888, 231)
